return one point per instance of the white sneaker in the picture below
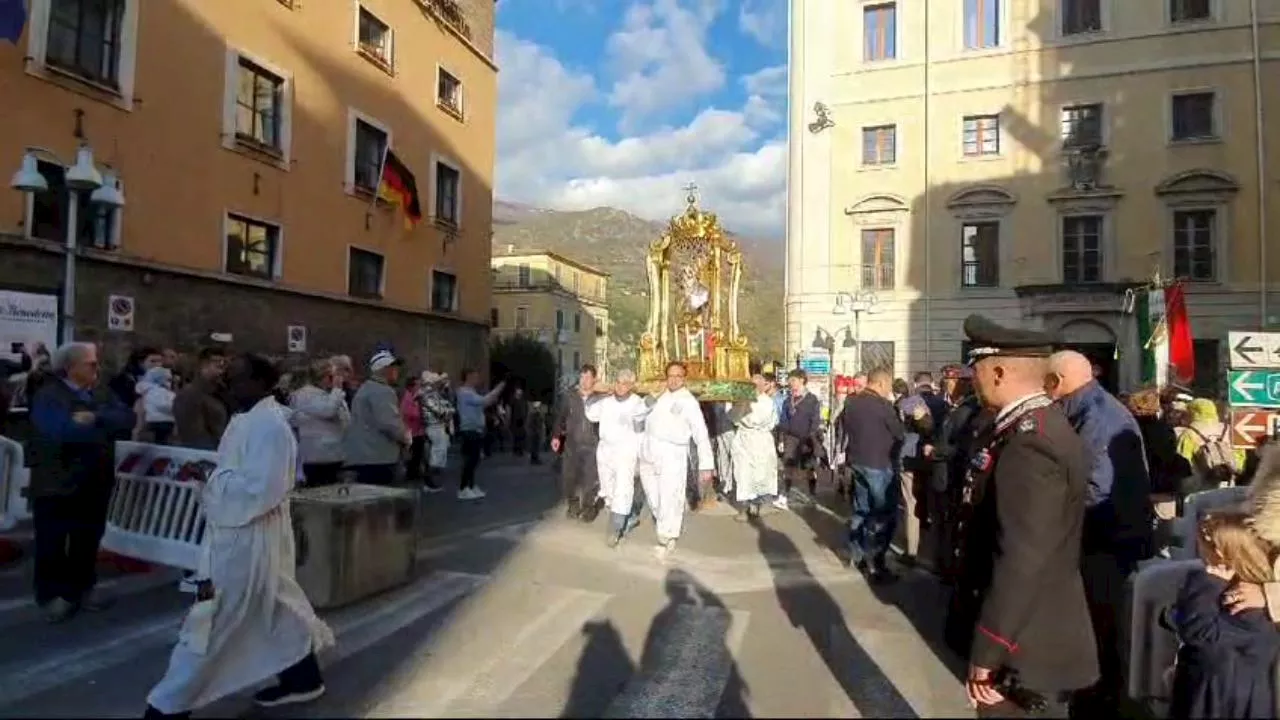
(664, 549)
(465, 494)
(781, 502)
(477, 493)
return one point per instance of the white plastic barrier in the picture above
(1152, 649)
(15, 477)
(1193, 507)
(154, 514)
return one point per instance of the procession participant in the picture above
(1024, 516)
(755, 460)
(251, 619)
(674, 420)
(620, 418)
(575, 437)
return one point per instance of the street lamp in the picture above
(864, 301)
(81, 177)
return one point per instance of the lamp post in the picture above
(864, 301)
(81, 177)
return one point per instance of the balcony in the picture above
(877, 277)
(448, 12)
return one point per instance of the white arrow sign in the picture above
(1244, 385)
(1254, 350)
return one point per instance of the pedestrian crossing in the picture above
(699, 637)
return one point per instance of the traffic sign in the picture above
(816, 362)
(1250, 426)
(1250, 350)
(1259, 388)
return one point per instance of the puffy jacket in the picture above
(321, 419)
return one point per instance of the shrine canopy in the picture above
(695, 277)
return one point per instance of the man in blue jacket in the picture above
(1118, 513)
(72, 474)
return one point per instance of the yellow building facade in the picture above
(560, 301)
(247, 138)
(1033, 160)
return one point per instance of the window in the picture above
(364, 273)
(374, 38)
(1082, 249)
(448, 193)
(880, 32)
(981, 24)
(449, 92)
(444, 291)
(877, 259)
(981, 135)
(1189, 10)
(97, 226)
(1195, 244)
(1208, 357)
(493, 317)
(576, 279)
(259, 105)
(84, 39)
(879, 145)
(577, 360)
(559, 319)
(1082, 126)
(980, 254)
(522, 318)
(1081, 16)
(368, 152)
(1193, 116)
(577, 322)
(523, 275)
(252, 247)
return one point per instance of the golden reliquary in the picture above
(695, 277)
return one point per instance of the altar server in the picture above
(251, 620)
(755, 457)
(621, 420)
(674, 421)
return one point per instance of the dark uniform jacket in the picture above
(1022, 553)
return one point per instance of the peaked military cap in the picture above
(989, 339)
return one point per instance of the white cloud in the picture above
(660, 58)
(765, 21)
(767, 82)
(546, 159)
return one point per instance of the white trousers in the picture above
(438, 439)
(664, 475)
(616, 466)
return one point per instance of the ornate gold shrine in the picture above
(695, 277)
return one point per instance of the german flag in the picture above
(398, 186)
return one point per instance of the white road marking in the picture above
(477, 677)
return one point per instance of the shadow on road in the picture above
(603, 670)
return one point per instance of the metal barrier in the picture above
(154, 515)
(15, 477)
(1152, 649)
(1193, 508)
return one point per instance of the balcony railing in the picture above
(877, 277)
(450, 13)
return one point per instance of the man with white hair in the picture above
(72, 473)
(620, 417)
(377, 433)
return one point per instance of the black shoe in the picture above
(880, 574)
(154, 714)
(280, 695)
(573, 511)
(430, 486)
(590, 513)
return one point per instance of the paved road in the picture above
(518, 612)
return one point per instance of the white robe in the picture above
(620, 422)
(262, 621)
(755, 459)
(673, 422)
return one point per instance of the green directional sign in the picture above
(1255, 388)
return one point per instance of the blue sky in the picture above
(619, 103)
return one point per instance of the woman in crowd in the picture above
(411, 413)
(155, 405)
(320, 416)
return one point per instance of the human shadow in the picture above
(809, 607)
(602, 673)
(686, 667)
(921, 596)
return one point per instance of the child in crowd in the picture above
(1224, 663)
(155, 396)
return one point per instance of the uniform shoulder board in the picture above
(1028, 423)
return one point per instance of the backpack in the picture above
(1215, 459)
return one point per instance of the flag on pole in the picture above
(397, 185)
(13, 19)
(1168, 355)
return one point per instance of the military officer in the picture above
(1032, 643)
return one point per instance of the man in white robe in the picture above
(755, 457)
(620, 417)
(251, 619)
(674, 420)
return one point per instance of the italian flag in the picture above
(1165, 333)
